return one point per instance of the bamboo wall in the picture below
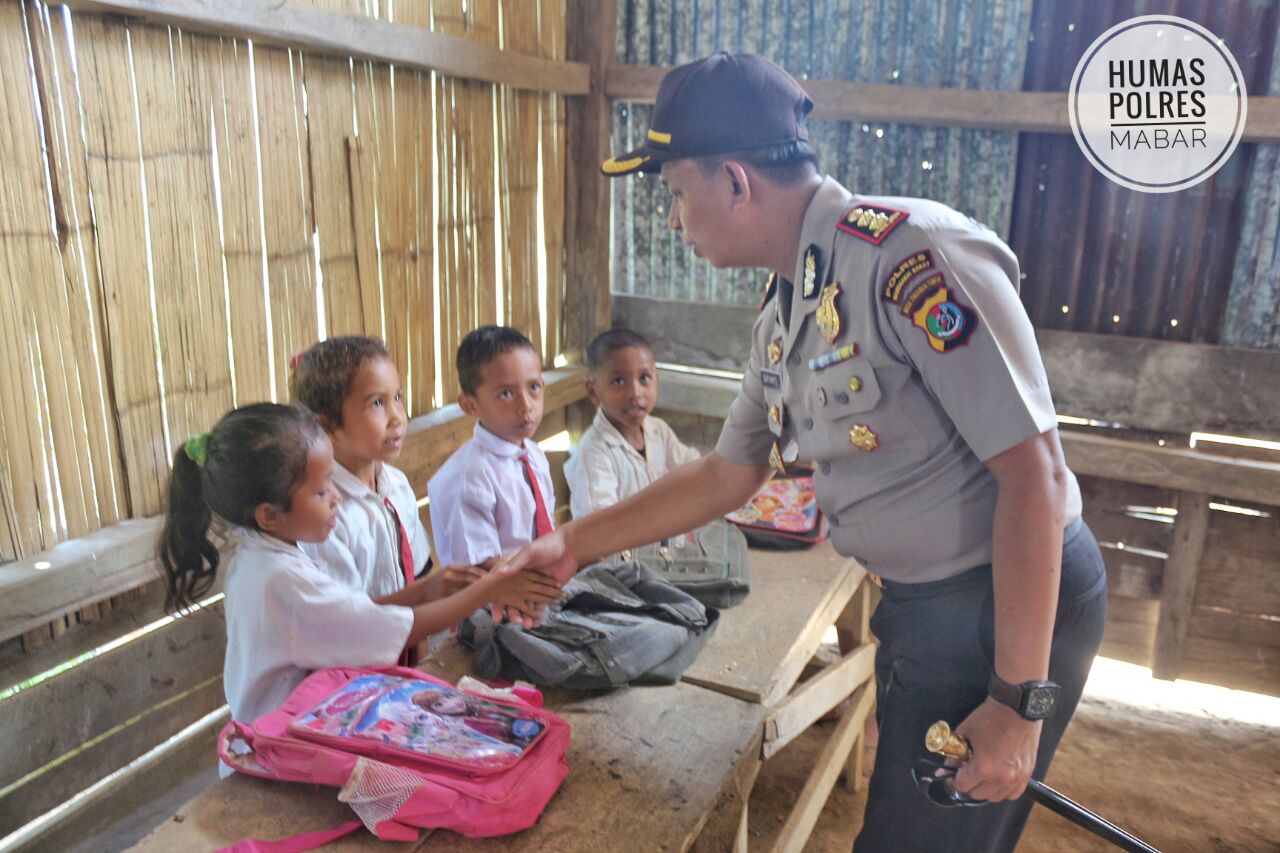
(181, 213)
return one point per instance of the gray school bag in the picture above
(709, 563)
(617, 624)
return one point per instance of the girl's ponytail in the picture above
(189, 557)
(255, 455)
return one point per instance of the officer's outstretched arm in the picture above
(687, 497)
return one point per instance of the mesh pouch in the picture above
(376, 791)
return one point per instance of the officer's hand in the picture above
(549, 554)
(1004, 753)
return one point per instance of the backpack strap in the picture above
(294, 843)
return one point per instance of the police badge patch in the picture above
(934, 311)
(907, 269)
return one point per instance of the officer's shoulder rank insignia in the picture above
(872, 222)
(828, 315)
(810, 284)
(934, 311)
(908, 268)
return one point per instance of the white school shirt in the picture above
(606, 469)
(481, 502)
(287, 616)
(363, 552)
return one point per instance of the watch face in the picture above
(1041, 702)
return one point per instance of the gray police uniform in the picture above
(898, 362)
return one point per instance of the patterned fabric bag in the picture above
(784, 515)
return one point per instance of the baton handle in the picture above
(942, 741)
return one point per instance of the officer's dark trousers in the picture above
(936, 654)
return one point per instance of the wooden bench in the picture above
(682, 752)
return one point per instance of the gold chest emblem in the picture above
(828, 315)
(864, 438)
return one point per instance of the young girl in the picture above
(353, 388)
(267, 471)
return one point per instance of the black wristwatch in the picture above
(1033, 700)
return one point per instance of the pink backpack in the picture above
(394, 791)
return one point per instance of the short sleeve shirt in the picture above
(482, 505)
(606, 469)
(898, 363)
(364, 549)
(287, 616)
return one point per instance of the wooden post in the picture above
(590, 30)
(1178, 590)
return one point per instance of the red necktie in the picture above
(406, 552)
(406, 565)
(541, 521)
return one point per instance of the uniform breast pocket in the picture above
(843, 400)
(845, 389)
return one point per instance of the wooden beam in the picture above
(72, 574)
(1163, 385)
(1172, 468)
(818, 696)
(800, 823)
(591, 29)
(841, 100)
(327, 33)
(170, 770)
(1157, 385)
(48, 720)
(1177, 597)
(811, 637)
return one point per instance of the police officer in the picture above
(893, 352)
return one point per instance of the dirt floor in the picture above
(1183, 782)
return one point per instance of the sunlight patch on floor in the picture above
(1134, 685)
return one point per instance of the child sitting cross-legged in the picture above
(266, 472)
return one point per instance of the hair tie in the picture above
(197, 448)
(297, 357)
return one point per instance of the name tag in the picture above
(771, 379)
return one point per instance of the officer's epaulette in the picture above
(872, 222)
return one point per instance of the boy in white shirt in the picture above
(495, 493)
(626, 448)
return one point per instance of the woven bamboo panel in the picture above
(185, 212)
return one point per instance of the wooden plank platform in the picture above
(634, 746)
(761, 646)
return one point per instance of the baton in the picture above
(942, 741)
